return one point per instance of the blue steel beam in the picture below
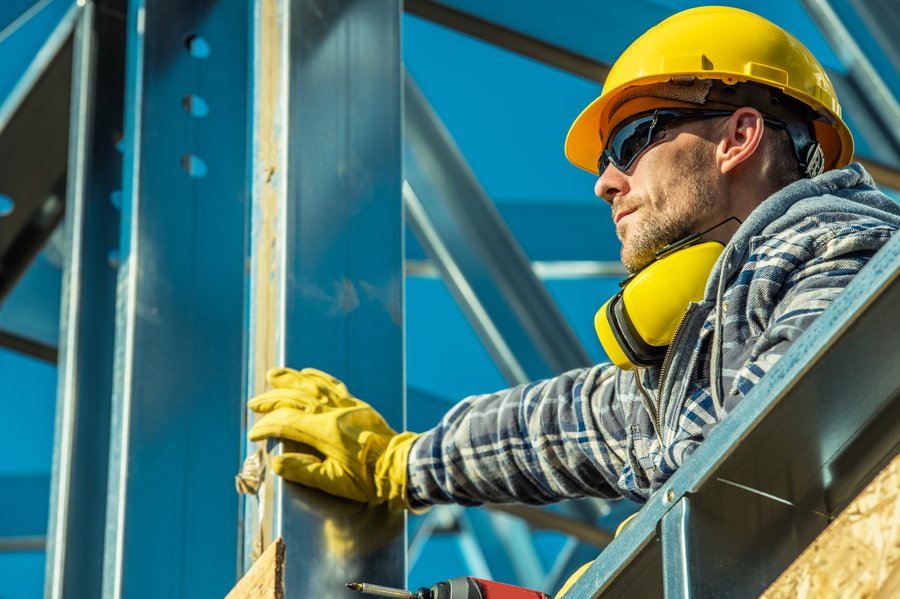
(769, 477)
(81, 449)
(484, 268)
(485, 551)
(492, 280)
(881, 100)
(33, 141)
(499, 34)
(24, 50)
(326, 259)
(177, 378)
(880, 19)
(14, 13)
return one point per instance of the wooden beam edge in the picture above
(265, 579)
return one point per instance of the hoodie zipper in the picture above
(648, 405)
(667, 360)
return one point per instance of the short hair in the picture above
(780, 161)
(780, 165)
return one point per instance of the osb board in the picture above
(265, 579)
(858, 555)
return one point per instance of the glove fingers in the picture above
(285, 423)
(327, 475)
(313, 382)
(323, 379)
(284, 398)
(288, 378)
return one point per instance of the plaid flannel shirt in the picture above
(602, 431)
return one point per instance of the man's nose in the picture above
(611, 183)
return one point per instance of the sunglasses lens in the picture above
(634, 136)
(630, 140)
(603, 162)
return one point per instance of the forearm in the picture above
(535, 443)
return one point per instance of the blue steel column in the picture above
(326, 254)
(81, 451)
(177, 382)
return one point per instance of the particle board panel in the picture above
(858, 555)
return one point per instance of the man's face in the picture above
(668, 193)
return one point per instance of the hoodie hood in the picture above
(849, 190)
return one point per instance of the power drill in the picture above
(462, 587)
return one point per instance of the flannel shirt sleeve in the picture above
(817, 269)
(536, 443)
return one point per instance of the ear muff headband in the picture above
(637, 325)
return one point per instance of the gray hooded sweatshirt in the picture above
(602, 431)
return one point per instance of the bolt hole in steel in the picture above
(6, 205)
(193, 165)
(197, 45)
(670, 496)
(195, 105)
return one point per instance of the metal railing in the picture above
(780, 466)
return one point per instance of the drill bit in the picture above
(374, 589)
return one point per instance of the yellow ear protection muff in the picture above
(637, 325)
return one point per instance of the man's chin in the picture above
(636, 262)
(637, 258)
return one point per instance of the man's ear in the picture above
(740, 139)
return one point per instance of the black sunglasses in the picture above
(634, 135)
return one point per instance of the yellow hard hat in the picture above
(714, 43)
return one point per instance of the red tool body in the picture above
(466, 587)
(462, 587)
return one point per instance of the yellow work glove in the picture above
(573, 579)
(577, 574)
(352, 452)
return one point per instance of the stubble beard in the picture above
(694, 181)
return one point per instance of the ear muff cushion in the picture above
(639, 352)
(610, 337)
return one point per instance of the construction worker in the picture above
(719, 145)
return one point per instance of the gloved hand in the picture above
(578, 573)
(353, 452)
(570, 582)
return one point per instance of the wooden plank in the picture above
(269, 191)
(265, 580)
(858, 555)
